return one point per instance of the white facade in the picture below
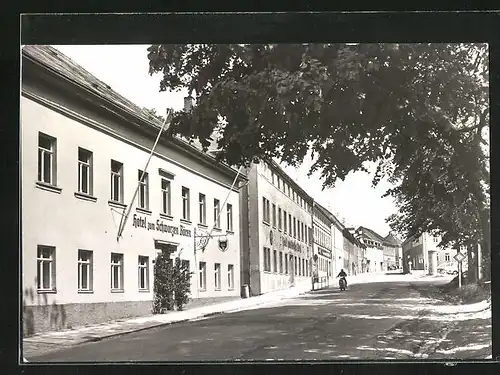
(79, 172)
(324, 265)
(338, 248)
(278, 252)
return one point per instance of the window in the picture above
(295, 266)
(216, 213)
(185, 203)
(46, 270)
(217, 276)
(279, 219)
(143, 189)
(165, 197)
(275, 261)
(272, 177)
(447, 257)
(279, 183)
(46, 159)
(116, 271)
(281, 262)
(230, 276)
(284, 222)
(290, 224)
(202, 276)
(300, 266)
(294, 228)
(230, 217)
(143, 272)
(307, 267)
(435, 239)
(267, 259)
(203, 208)
(85, 270)
(116, 181)
(274, 215)
(286, 264)
(84, 171)
(266, 207)
(463, 248)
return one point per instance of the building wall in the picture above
(338, 244)
(264, 234)
(375, 257)
(69, 223)
(323, 246)
(417, 251)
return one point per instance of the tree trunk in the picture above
(485, 244)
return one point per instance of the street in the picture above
(380, 320)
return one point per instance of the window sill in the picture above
(166, 216)
(117, 204)
(48, 187)
(143, 211)
(217, 289)
(117, 290)
(47, 291)
(202, 290)
(202, 226)
(230, 231)
(265, 223)
(185, 221)
(85, 197)
(144, 290)
(217, 229)
(85, 292)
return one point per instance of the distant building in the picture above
(323, 243)
(374, 249)
(355, 252)
(416, 251)
(392, 251)
(277, 226)
(84, 148)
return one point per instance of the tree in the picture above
(408, 107)
(163, 286)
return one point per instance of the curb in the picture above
(97, 338)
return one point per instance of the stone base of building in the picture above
(43, 318)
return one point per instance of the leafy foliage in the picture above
(171, 283)
(417, 110)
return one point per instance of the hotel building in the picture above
(84, 150)
(277, 250)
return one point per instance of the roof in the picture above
(330, 216)
(347, 234)
(390, 239)
(371, 234)
(60, 64)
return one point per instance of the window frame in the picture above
(143, 188)
(229, 214)
(216, 211)
(89, 266)
(166, 196)
(41, 260)
(143, 268)
(120, 267)
(186, 203)
(217, 276)
(119, 176)
(52, 153)
(88, 165)
(202, 208)
(230, 276)
(202, 276)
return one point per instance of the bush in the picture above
(172, 284)
(163, 285)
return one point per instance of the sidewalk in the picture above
(54, 340)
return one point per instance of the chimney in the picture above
(188, 103)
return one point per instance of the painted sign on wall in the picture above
(159, 226)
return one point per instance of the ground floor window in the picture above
(143, 265)
(217, 276)
(267, 259)
(447, 257)
(281, 262)
(116, 271)
(275, 261)
(202, 276)
(286, 264)
(85, 270)
(230, 276)
(46, 270)
(307, 267)
(295, 266)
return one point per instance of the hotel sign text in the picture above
(142, 222)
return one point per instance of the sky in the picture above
(125, 69)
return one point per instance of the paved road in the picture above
(369, 321)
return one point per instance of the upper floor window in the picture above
(47, 159)
(279, 219)
(203, 209)
(285, 227)
(185, 203)
(116, 181)
(216, 213)
(230, 217)
(143, 180)
(165, 197)
(266, 210)
(84, 171)
(274, 215)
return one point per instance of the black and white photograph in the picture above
(255, 202)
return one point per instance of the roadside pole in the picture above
(459, 258)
